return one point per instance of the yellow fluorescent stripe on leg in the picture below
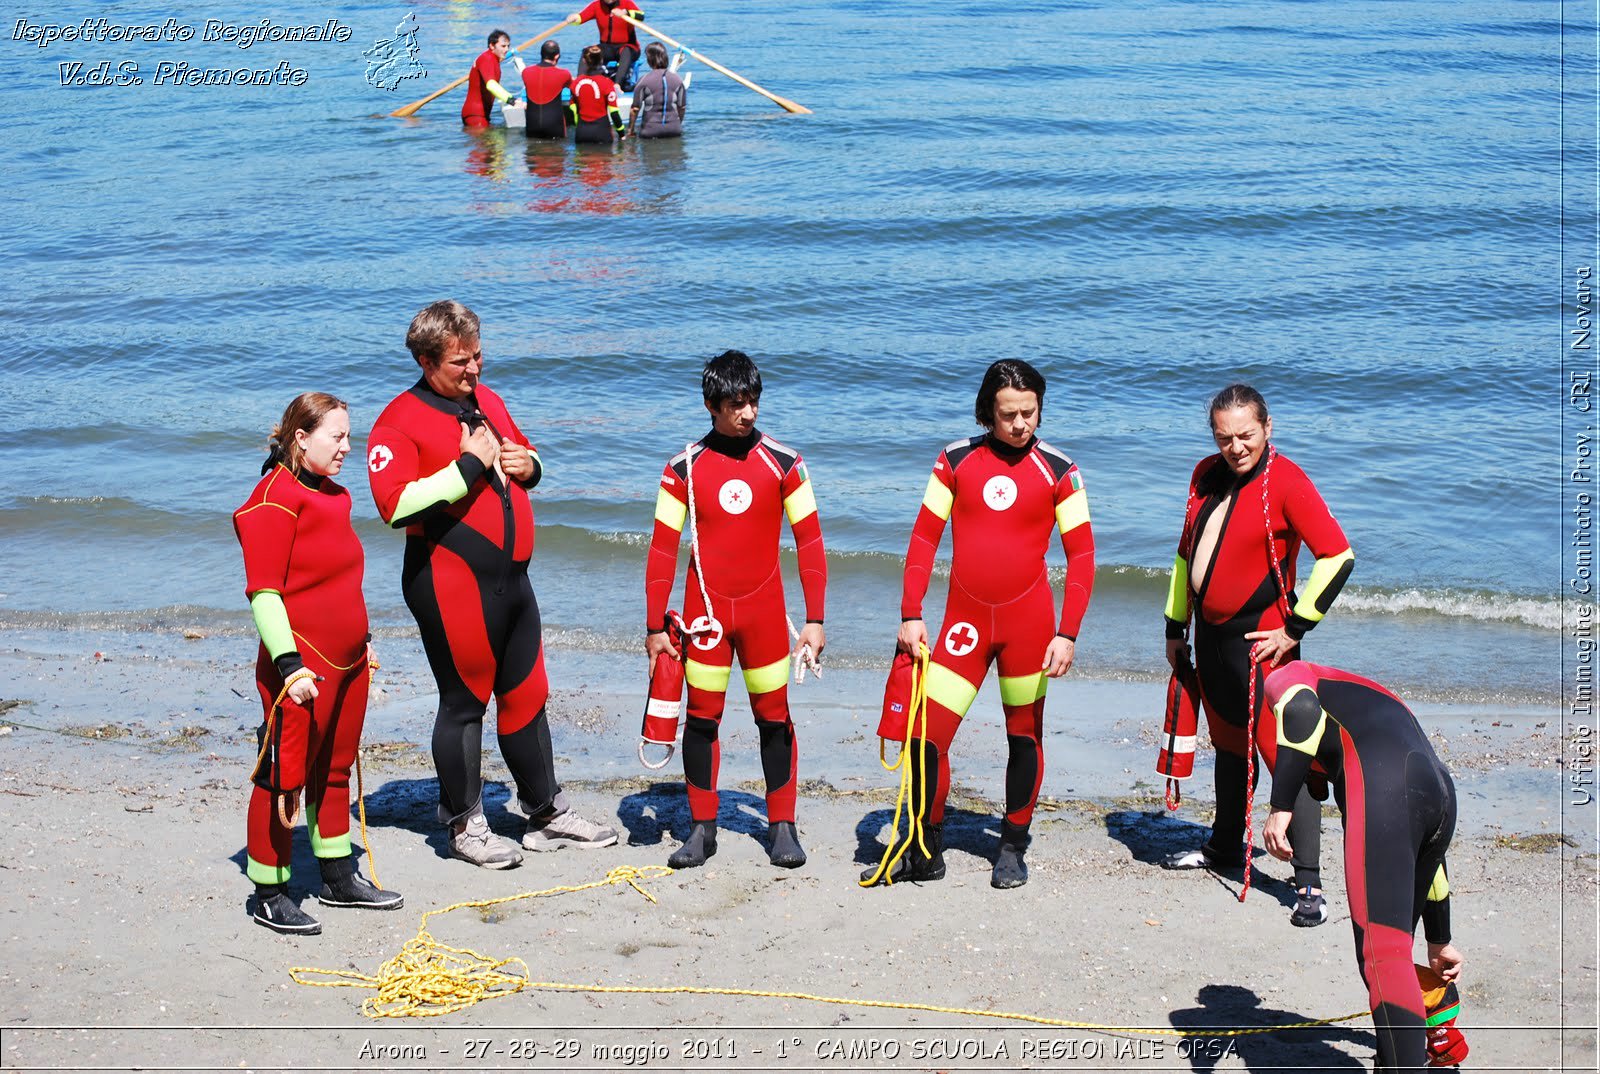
(1073, 511)
(767, 678)
(1022, 689)
(670, 510)
(950, 689)
(712, 677)
(937, 498)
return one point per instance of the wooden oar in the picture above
(411, 109)
(782, 102)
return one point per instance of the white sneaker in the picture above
(477, 844)
(567, 829)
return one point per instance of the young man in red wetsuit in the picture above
(744, 483)
(1003, 493)
(483, 83)
(1249, 511)
(543, 83)
(1399, 807)
(303, 566)
(619, 42)
(449, 465)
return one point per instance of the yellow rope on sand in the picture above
(428, 978)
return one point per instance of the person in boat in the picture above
(619, 42)
(596, 117)
(660, 97)
(1249, 510)
(543, 85)
(449, 465)
(1339, 730)
(1003, 492)
(733, 487)
(483, 83)
(303, 565)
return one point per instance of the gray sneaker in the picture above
(477, 844)
(567, 829)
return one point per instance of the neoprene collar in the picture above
(733, 446)
(1005, 450)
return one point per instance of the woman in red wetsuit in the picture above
(595, 115)
(1247, 616)
(1003, 493)
(303, 567)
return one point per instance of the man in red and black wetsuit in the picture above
(449, 465)
(1399, 809)
(744, 484)
(1247, 617)
(483, 83)
(619, 42)
(543, 83)
(1003, 493)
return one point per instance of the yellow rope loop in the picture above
(908, 783)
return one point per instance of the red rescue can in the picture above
(663, 708)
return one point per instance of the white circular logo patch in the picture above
(705, 633)
(735, 497)
(379, 457)
(960, 639)
(1000, 492)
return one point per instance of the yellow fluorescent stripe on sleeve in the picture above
(670, 510)
(1323, 571)
(1439, 890)
(713, 677)
(1022, 689)
(272, 622)
(1073, 511)
(767, 678)
(801, 503)
(1178, 591)
(950, 689)
(1307, 745)
(445, 486)
(938, 498)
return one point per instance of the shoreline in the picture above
(125, 902)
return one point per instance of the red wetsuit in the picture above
(1238, 594)
(469, 536)
(1002, 503)
(594, 105)
(298, 543)
(743, 488)
(479, 105)
(1399, 809)
(614, 28)
(543, 84)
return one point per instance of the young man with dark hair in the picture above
(1002, 491)
(732, 489)
(483, 83)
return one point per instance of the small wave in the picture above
(1544, 613)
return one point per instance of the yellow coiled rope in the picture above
(912, 791)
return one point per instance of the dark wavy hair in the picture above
(1006, 373)
(1237, 395)
(730, 375)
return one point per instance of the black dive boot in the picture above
(1010, 870)
(701, 844)
(278, 912)
(913, 864)
(785, 852)
(343, 886)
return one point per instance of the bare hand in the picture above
(815, 637)
(913, 637)
(303, 690)
(658, 643)
(1271, 646)
(575, 18)
(1058, 657)
(482, 444)
(1445, 960)
(516, 461)
(1276, 834)
(1177, 647)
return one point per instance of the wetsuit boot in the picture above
(785, 852)
(342, 885)
(701, 844)
(914, 865)
(1010, 869)
(278, 912)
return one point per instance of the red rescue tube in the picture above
(897, 698)
(1178, 731)
(664, 707)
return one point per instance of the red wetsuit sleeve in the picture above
(1077, 540)
(266, 529)
(661, 562)
(800, 504)
(1309, 518)
(926, 534)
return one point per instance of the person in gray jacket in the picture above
(659, 97)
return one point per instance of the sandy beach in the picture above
(123, 772)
